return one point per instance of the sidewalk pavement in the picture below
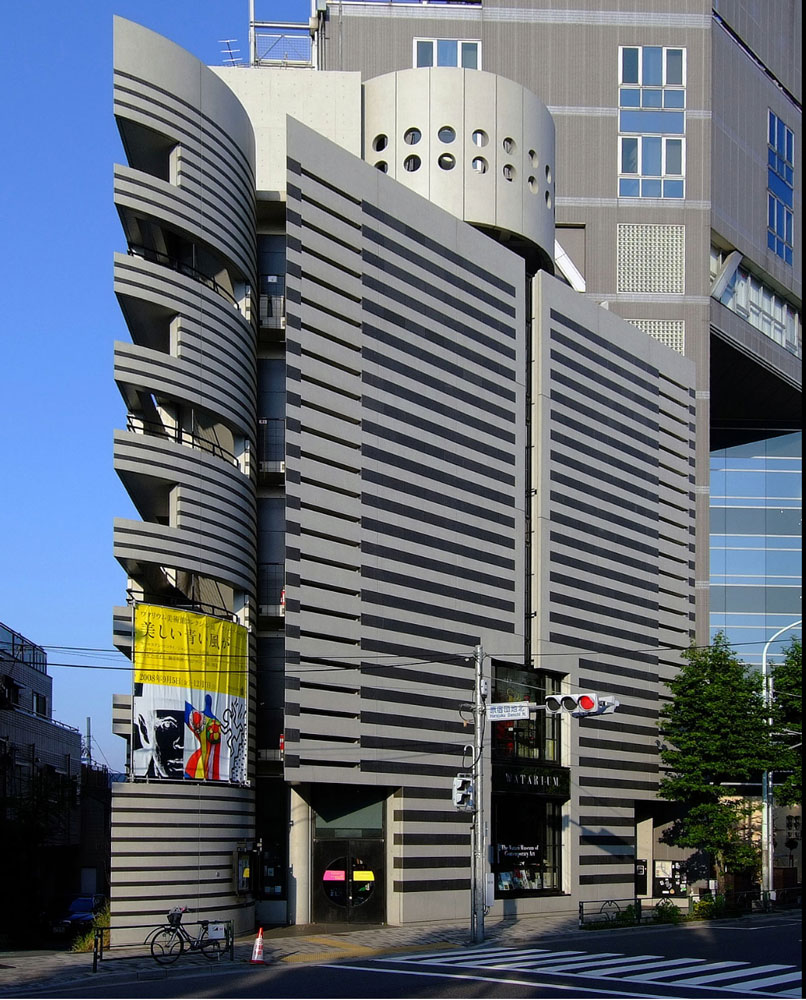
(24, 973)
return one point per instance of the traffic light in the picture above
(586, 703)
(464, 793)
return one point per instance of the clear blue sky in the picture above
(58, 401)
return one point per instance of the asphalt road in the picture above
(694, 961)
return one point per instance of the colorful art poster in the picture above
(189, 704)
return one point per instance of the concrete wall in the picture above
(404, 496)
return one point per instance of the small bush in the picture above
(86, 941)
(667, 912)
(708, 908)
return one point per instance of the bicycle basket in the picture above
(175, 917)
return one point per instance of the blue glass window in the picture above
(652, 149)
(667, 122)
(652, 108)
(629, 65)
(674, 156)
(780, 187)
(674, 67)
(425, 53)
(652, 72)
(447, 52)
(470, 55)
(629, 155)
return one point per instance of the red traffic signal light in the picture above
(586, 703)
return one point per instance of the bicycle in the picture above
(168, 942)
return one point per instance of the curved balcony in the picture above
(213, 365)
(226, 226)
(208, 504)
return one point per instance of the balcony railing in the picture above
(282, 44)
(153, 428)
(157, 257)
(18, 648)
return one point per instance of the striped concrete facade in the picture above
(431, 386)
(405, 493)
(613, 560)
(187, 204)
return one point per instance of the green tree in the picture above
(787, 716)
(716, 734)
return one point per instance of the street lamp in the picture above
(767, 825)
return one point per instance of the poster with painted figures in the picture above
(189, 704)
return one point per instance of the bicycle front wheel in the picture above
(167, 945)
(212, 948)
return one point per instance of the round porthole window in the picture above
(533, 159)
(447, 161)
(534, 187)
(411, 163)
(548, 199)
(380, 142)
(446, 134)
(509, 145)
(509, 172)
(412, 136)
(480, 137)
(383, 166)
(479, 164)
(548, 174)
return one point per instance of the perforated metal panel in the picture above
(671, 332)
(651, 258)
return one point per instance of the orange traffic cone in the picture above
(257, 950)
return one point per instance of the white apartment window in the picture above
(760, 306)
(780, 187)
(652, 101)
(447, 52)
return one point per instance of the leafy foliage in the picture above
(718, 734)
(787, 716)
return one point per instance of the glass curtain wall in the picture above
(756, 546)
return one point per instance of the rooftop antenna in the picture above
(229, 53)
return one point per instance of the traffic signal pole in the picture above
(478, 883)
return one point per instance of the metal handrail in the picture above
(154, 428)
(147, 253)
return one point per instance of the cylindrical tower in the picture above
(187, 205)
(476, 144)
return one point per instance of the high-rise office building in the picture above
(378, 416)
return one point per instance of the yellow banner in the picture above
(187, 650)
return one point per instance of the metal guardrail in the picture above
(634, 911)
(101, 947)
(158, 257)
(153, 428)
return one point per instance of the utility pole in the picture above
(479, 880)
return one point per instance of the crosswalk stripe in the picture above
(427, 956)
(487, 958)
(719, 976)
(583, 959)
(631, 963)
(788, 977)
(615, 966)
(692, 965)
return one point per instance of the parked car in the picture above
(79, 915)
